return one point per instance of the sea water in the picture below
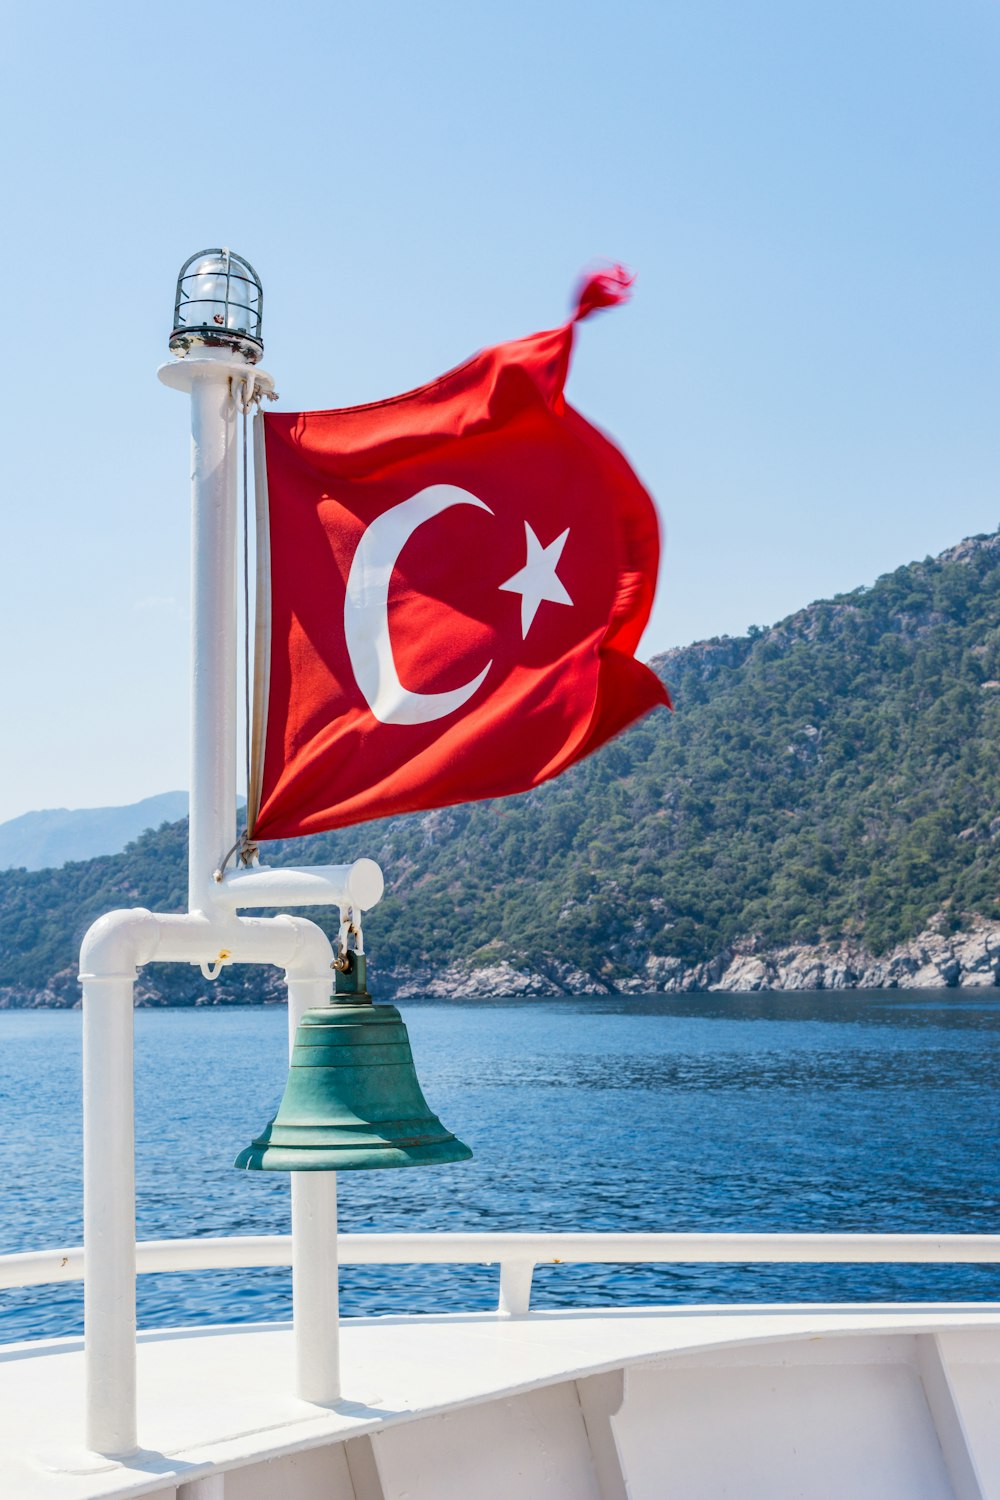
(768, 1112)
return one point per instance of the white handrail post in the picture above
(211, 1487)
(109, 1214)
(315, 1270)
(515, 1287)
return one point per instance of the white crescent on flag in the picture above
(366, 611)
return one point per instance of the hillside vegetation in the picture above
(836, 776)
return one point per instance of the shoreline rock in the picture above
(969, 959)
(935, 959)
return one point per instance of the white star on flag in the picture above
(537, 580)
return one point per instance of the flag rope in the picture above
(247, 398)
(245, 853)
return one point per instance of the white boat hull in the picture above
(832, 1403)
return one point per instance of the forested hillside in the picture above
(833, 778)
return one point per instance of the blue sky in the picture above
(807, 377)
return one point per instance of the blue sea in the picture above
(859, 1111)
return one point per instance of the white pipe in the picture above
(682, 1249)
(114, 946)
(209, 379)
(315, 1277)
(315, 1287)
(48, 1267)
(121, 941)
(213, 629)
(111, 951)
(109, 1215)
(359, 885)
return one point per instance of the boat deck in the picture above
(847, 1401)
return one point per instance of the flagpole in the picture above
(212, 827)
(215, 379)
(218, 377)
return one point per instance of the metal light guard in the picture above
(219, 304)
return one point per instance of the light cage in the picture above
(219, 303)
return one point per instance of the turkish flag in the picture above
(459, 578)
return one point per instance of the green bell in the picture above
(352, 1100)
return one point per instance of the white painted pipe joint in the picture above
(113, 949)
(359, 885)
(123, 941)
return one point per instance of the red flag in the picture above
(459, 580)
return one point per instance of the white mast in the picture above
(217, 336)
(214, 437)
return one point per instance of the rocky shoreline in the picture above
(933, 960)
(936, 959)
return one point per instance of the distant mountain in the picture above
(43, 840)
(822, 810)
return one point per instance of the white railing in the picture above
(519, 1254)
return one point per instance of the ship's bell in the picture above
(352, 1101)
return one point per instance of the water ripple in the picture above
(762, 1112)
